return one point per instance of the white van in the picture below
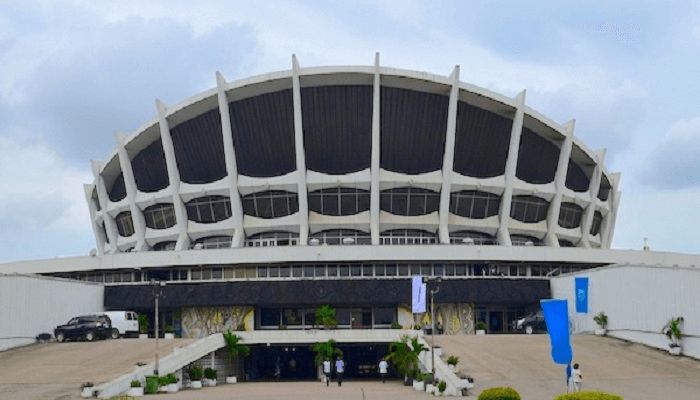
(127, 322)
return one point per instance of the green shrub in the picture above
(499, 393)
(171, 378)
(136, 383)
(152, 382)
(452, 360)
(480, 326)
(210, 373)
(195, 373)
(442, 386)
(428, 377)
(589, 396)
(396, 325)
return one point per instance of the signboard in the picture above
(418, 289)
(581, 295)
(556, 315)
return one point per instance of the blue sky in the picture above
(74, 73)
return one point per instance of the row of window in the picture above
(304, 318)
(325, 271)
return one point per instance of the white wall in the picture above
(30, 305)
(639, 300)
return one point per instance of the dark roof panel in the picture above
(199, 148)
(481, 142)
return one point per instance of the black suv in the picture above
(531, 323)
(88, 327)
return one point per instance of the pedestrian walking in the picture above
(327, 371)
(383, 369)
(339, 370)
(577, 378)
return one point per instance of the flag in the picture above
(418, 289)
(556, 315)
(581, 295)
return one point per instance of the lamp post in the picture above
(157, 292)
(433, 291)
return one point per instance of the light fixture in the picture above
(198, 246)
(314, 242)
(529, 243)
(348, 240)
(468, 240)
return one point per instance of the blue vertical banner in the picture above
(418, 295)
(581, 295)
(556, 316)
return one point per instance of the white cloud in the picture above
(675, 160)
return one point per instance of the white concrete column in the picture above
(448, 159)
(593, 188)
(183, 241)
(376, 153)
(503, 234)
(608, 225)
(230, 158)
(131, 191)
(551, 238)
(301, 156)
(96, 229)
(103, 198)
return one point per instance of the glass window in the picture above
(332, 270)
(391, 270)
(384, 316)
(291, 316)
(367, 270)
(284, 272)
(212, 242)
(159, 216)
(529, 209)
(407, 236)
(355, 270)
(262, 271)
(269, 317)
(403, 270)
(308, 271)
(125, 225)
(472, 237)
(270, 204)
(164, 246)
(524, 240)
(409, 201)
(342, 315)
(474, 204)
(209, 209)
(296, 271)
(274, 271)
(309, 317)
(339, 201)
(344, 270)
(342, 237)
(570, 215)
(320, 270)
(597, 222)
(275, 238)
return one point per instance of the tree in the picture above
(325, 351)
(234, 347)
(404, 355)
(325, 316)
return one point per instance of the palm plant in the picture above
(234, 347)
(325, 351)
(325, 316)
(673, 332)
(404, 354)
(601, 319)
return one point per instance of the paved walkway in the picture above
(633, 371)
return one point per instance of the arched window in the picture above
(339, 201)
(597, 222)
(474, 204)
(524, 240)
(277, 238)
(566, 243)
(125, 225)
(409, 201)
(407, 236)
(270, 204)
(209, 209)
(570, 215)
(159, 216)
(164, 246)
(340, 236)
(529, 209)
(212, 242)
(472, 237)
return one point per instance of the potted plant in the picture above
(602, 320)
(136, 390)
(163, 384)
(404, 355)
(673, 332)
(143, 326)
(429, 381)
(325, 317)
(452, 362)
(325, 351)
(169, 332)
(235, 349)
(87, 389)
(480, 327)
(196, 375)
(442, 385)
(171, 381)
(152, 384)
(210, 376)
(418, 383)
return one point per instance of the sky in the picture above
(75, 73)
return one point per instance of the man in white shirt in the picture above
(383, 369)
(339, 370)
(577, 378)
(327, 371)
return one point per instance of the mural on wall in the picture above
(199, 322)
(456, 318)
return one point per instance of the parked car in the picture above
(126, 322)
(531, 323)
(88, 327)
